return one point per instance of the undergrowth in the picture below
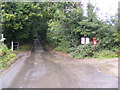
(6, 57)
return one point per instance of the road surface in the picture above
(43, 69)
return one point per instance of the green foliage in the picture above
(63, 47)
(24, 47)
(62, 24)
(71, 25)
(83, 51)
(1, 46)
(115, 49)
(5, 51)
(23, 21)
(105, 54)
(6, 57)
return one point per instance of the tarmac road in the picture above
(44, 69)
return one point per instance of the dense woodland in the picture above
(60, 26)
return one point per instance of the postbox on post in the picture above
(94, 41)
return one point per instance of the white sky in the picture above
(107, 7)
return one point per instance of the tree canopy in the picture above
(62, 24)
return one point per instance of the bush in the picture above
(63, 47)
(115, 49)
(83, 51)
(5, 51)
(1, 46)
(6, 57)
(105, 54)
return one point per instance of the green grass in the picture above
(24, 47)
(105, 54)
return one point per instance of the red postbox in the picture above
(94, 41)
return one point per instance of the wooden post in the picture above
(18, 46)
(12, 45)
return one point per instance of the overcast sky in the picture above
(107, 7)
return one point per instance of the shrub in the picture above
(105, 54)
(6, 57)
(83, 51)
(5, 51)
(63, 47)
(116, 49)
